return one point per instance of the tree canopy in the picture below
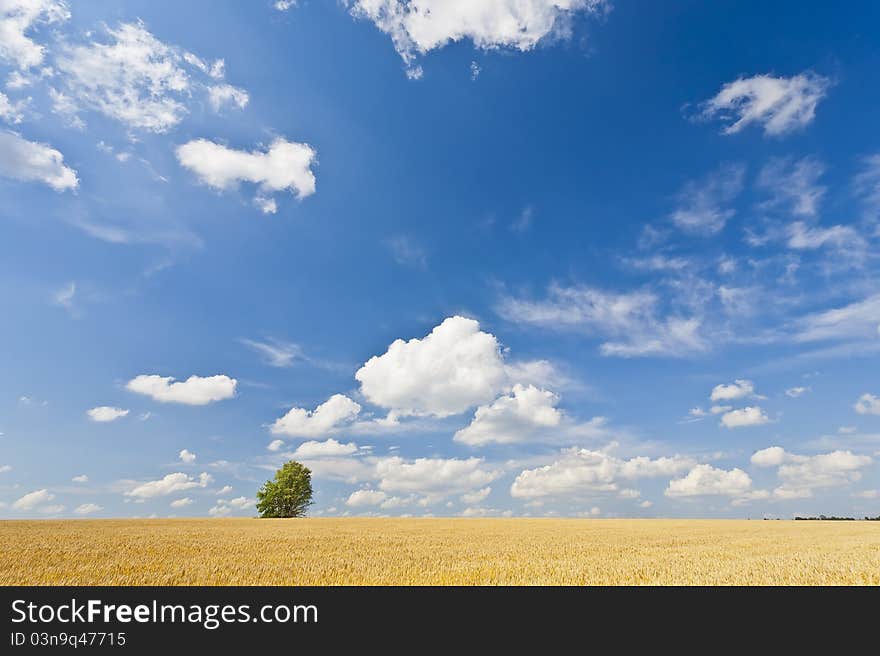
(289, 494)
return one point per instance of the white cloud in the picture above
(169, 484)
(518, 417)
(706, 480)
(284, 165)
(28, 161)
(780, 105)
(82, 478)
(136, 79)
(585, 472)
(225, 507)
(20, 17)
(221, 95)
(348, 469)
(275, 352)
(275, 445)
(793, 185)
(33, 499)
(5, 468)
(226, 489)
(181, 503)
(64, 297)
(704, 205)
(739, 389)
(329, 448)
(472, 498)
(407, 252)
(240, 502)
(868, 404)
(795, 392)
(748, 416)
(330, 416)
(418, 26)
(195, 390)
(187, 456)
(867, 186)
(858, 320)
(103, 414)
(11, 112)
(631, 320)
(433, 477)
(867, 494)
(800, 475)
(284, 5)
(805, 237)
(772, 456)
(87, 509)
(455, 367)
(361, 498)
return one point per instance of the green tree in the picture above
(289, 494)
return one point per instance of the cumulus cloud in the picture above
(181, 503)
(195, 390)
(18, 19)
(224, 507)
(584, 472)
(82, 478)
(706, 480)
(704, 205)
(795, 392)
(780, 105)
(275, 445)
(472, 498)
(433, 477)
(187, 456)
(87, 509)
(455, 367)
(632, 321)
(168, 484)
(361, 498)
(136, 79)
(335, 413)
(328, 448)
(868, 404)
(11, 112)
(105, 413)
(29, 161)
(517, 417)
(284, 165)
(221, 95)
(748, 416)
(418, 26)
(800, 474)
(31, 500)
(739, 389)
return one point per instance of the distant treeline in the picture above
(838, 519)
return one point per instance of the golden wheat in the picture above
(437, 552)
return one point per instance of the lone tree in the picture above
(289, 494)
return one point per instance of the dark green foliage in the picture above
(289, 494)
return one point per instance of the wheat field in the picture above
(355, 551)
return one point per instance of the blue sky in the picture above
(567, 258)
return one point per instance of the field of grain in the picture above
(437, 552)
